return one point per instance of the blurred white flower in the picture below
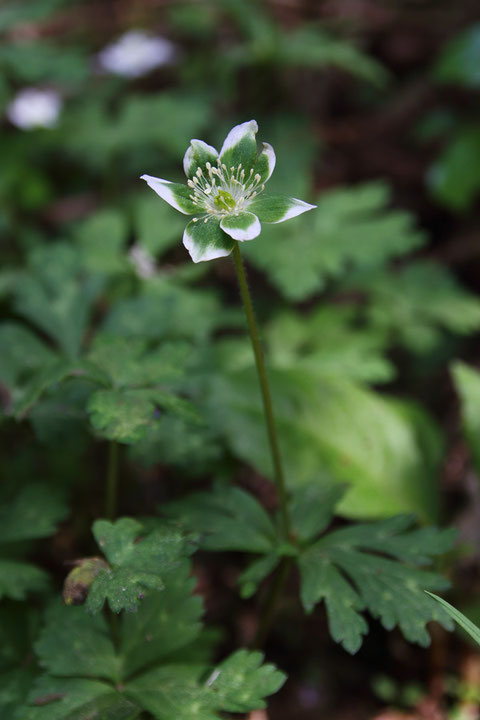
(34, 107)
(135, 53)
(142, 261)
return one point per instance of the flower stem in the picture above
(112, 481)
(265, 390)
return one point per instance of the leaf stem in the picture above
(265, 390)
(112, 481)
(271, 604)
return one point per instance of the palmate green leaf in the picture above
(356, 568)
(417, 305)
(55, 698)
(129, 363)
(333, 427)
(328, 341)
(75, 643)
(166, 310)
(55, 297)
(136, 563)
(315, 47)
(157, 666)
(467, 383)
(167, 622)
(143, 385)
(239, 684)
(17, 578)
(226, 518)
(350, 227)
(126, 415)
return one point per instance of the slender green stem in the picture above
(112, 481)
(265, 390)
(271, 603)
(111, 492)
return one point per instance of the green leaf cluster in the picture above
(375, 566)
(153, 668)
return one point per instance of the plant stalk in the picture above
(112, 481)
(265, 390)
(271, 604)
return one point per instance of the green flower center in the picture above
(224, 191)
(224, 201)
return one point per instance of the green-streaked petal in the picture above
(205, 240)
(265, 164)
(244, 226)
(240, 146)
(197, 156)
(176, 195)
(277, 208)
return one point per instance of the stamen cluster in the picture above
(224, 191)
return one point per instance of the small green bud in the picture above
(78, 581)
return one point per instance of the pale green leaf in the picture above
(459, 618)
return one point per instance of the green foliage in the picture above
(454, 177)
(374, 567)
(92, 349)
(331, 425)
(467, 384)
(135, 563)
(151, 669)
(352, 227)
(459, 618)
(419, 302)
(26, 513)
(459, 59)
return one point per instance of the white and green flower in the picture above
(225, 193)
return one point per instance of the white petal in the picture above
(297, 209)
(239, 233)
(269, 153)
(237, 133)
(161, 188)
(187, 160)
(199, 254)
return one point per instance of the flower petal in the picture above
(277, 208)
(244, 226)
(265, 164)
(240, 146)
(197, 155)
(176, 195)
(205, 240)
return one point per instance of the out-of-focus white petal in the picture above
(136, 53)
(34, 107)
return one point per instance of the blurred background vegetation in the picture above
(373, 110)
